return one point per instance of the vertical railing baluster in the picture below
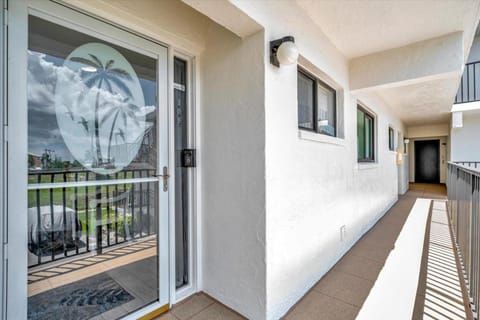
(132, 188)
(77, 221)
(98, 216)
(87, 213)
(468, 82)
(140, 203)
(52, 219)
(108, 214)
(148, 204)
(125, 198)
(39, 222)
(64, 211)
(116, 209)
(474, 83)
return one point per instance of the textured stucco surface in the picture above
(272, 202)
(315, 187)
(358, 28)
(233, 171)
(465, 141)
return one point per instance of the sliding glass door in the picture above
(96, 217)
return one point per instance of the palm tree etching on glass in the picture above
(100, 76)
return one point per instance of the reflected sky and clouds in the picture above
(89, 102)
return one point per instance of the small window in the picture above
(391, 139)
(316, 105)
(365, 135)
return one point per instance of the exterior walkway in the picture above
(441, 291)
(340, 294)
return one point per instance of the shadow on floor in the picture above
(341, 292)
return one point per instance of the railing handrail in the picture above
(469, 87)
(76, 170)
(473, 62)
(463, 185)
(468, 169)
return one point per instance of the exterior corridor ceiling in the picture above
(358, 28)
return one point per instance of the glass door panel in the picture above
(93, 198)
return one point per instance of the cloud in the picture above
(61, 113)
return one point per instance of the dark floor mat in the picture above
(79, 300)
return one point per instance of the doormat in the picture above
(80, 300)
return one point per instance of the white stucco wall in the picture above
(233, 171)
(429, 131)
(403, 174)
(465, 141)
(312, 187)
(272, 203)
(474, 54)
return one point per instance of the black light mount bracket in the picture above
(274, 47)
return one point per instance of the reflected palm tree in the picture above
(126, 110)
(102, 76)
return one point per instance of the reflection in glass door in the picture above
(93, 198)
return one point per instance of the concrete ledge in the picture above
(428, 60)
(394, 293)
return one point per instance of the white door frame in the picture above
(194, 142)
(190, 288)
(3, 146)
(19, 10)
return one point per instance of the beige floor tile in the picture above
(44, 274)
(166, 316)
(191, 306)
(217, 312)
(345, 287)
(371, 250)
(317, 306)
(38, 287)
(362, 267)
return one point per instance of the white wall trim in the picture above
(3, 158)
(321, 138)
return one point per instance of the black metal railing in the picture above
(463, 184)
(469, 89)
(73, 212)
(470, 164)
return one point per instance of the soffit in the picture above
(359, 28)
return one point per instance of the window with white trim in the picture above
(317, 109)
(365, 135)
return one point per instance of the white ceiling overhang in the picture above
(410, 53)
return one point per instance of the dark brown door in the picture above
(427, 161)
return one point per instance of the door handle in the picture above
(165, 177)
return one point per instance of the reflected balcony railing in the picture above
(70, 214)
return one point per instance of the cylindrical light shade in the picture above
(287, 53)
(457, 119)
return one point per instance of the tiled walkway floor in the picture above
(443, 299)
(340, 294)
(200, 307)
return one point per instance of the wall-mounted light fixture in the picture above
(283, 51)
(457, 119)
(406, 141)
